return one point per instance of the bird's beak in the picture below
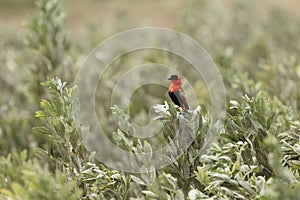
(169, 78)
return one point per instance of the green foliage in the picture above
(225, 174)
(23, 178)
(252, 121)
(285, 71)
(290, 147)
(66, 151)
(247, 162)
(14, 131)
(64, 144)
(284, 185)
(254, 156)
(48, 43)
(253, 50)
(187, 134)
(23, 69)
(165, 187)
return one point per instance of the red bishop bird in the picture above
(176, 92)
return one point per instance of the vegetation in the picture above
(255, 155)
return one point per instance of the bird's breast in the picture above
(174, 88)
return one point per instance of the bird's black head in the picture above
(173, 77)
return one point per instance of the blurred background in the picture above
(167, 13)
(255, 45)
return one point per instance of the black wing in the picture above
(179, 100)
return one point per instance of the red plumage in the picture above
(176, 92)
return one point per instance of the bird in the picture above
(176, 92)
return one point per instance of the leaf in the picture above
(150, 194)
(8, 193)
(202, 176)
(227, 159)
(40, 153)
(57, 138)
(138, 180)
(40, 114)
(246, 186)
(19, 190)
(195, 194)
(179, 195)
(234, 104)
(214, 184)
(148, 150)
(168, 182)
(152, 174)
(295, 164)
(41, 129)
(209, 159)
(221, 176)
